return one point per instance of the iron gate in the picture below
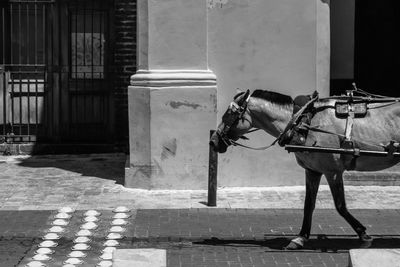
(55, 75)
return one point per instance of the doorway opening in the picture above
(56, 71)
(364, 46)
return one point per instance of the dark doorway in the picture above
(377, 53)
(86, 55)
(365, 46)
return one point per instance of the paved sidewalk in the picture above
(248, 228)
(205, 237)
(91, 181)
(256, 237)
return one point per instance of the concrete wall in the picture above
(279, 45)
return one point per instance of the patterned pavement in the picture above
(248, 228)
(200, 237)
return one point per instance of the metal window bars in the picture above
(54, 79)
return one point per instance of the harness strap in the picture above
(295, 118)
(317, 129)
(349, 126)
(253, 148)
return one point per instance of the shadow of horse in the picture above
(319, 243)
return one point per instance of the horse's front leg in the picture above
(335, 182)
(312, 184)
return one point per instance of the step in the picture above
(382, 178)
(147, 257)
(374, 257)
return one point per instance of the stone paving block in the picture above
(140, 258)
(374, 257)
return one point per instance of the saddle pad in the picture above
(344, 108)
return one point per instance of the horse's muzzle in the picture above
(217, 144)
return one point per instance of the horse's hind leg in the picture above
(335, 182)
(312, 184)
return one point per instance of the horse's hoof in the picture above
(293, 246)
(366, 240)
(296, 243)
(364, 237)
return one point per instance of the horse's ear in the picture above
(247, 94)
(244, 97)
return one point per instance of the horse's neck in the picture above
(268, 116)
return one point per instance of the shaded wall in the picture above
(342, 39)
(279, 45)
(125, 64)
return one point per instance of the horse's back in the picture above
(378, 127)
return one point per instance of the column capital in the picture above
(173, 78)
(172, 34)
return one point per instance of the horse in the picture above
(272, 112)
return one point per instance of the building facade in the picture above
(194, 55)
(155, 76)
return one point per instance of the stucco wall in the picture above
(172, 97)
(267, 44)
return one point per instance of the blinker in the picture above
(234, 107)
(235, 112)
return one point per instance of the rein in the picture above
(254, 148)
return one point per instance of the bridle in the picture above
(234, 113)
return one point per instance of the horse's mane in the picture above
(273, 97)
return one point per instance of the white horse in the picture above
(272, 112)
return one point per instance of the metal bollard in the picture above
(212, 175)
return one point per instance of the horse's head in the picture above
(236, 121)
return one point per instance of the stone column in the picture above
(323, 47)
(172, 97)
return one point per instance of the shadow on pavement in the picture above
(104, 166)
(320, 243)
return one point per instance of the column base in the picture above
(170, 116)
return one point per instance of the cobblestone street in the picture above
(249, 227)
(202, 237)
